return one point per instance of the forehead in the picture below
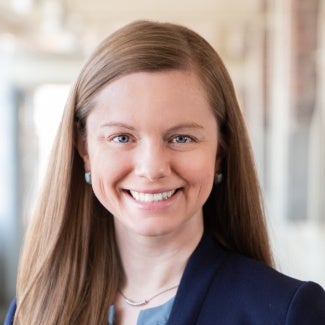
(180, 85)
(153, 101)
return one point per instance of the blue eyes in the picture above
(178, 139)
(182, 139)
(123, 138)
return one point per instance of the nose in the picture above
(152, 161)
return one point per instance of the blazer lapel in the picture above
(194, 285)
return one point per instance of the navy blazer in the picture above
(221, 287)
(224, 288)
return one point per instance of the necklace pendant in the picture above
(144, 301)
(136, 303)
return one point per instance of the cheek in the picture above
(202, 164)
(104, 162)
(107, 170)
(104, 184)
(199, 171)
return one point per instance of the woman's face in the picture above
(151, 149)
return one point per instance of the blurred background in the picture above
(275, 53)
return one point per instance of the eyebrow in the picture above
(189, 125)
(118, 124)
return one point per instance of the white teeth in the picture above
(148, 197)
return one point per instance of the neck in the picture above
(154, 263)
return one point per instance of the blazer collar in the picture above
(194, 285)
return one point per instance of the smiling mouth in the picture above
(151, 197)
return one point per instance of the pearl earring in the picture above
(88, 177)
(218, 178)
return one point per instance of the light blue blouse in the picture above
(152, 316)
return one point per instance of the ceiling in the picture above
(68, 26)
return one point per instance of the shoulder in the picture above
(254, 292)
(307, 306)
(229, 288)
(11, 313)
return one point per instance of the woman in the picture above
(168, 227)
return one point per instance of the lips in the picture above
(151, 197)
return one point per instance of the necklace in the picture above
(143, 302)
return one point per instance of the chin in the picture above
(157, 230)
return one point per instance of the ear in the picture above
(80, 143)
